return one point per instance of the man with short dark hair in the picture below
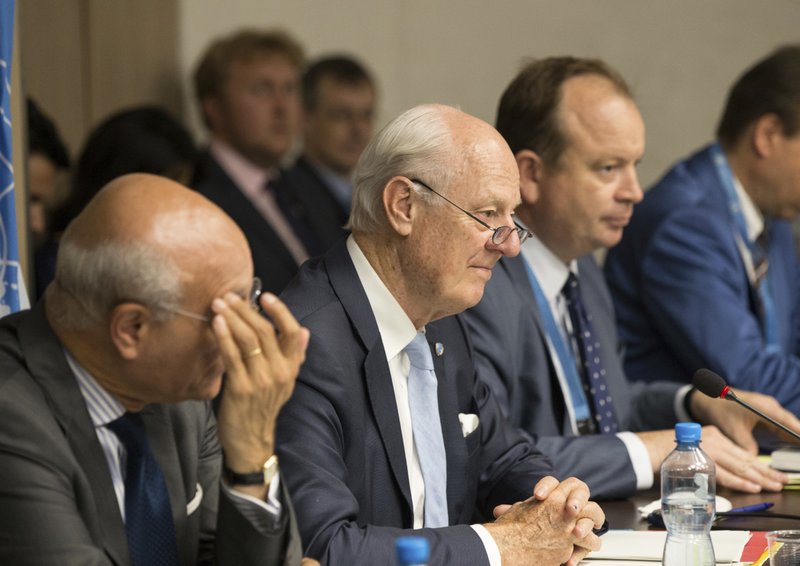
(706, 275)
(544, 333)
(109, 449)
(339, 112)
(247, 86)
(389, 432)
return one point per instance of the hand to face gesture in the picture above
(262, 360)
(552, 527)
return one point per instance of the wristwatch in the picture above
(268, 472)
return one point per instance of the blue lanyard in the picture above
(769, 323)
(565, 354)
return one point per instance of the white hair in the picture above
(416, 144)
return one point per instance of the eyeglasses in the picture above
(255, 293)
(499, 234)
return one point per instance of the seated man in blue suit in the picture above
(388, 431)
(578, 136)
(109, 450)
(706, 275)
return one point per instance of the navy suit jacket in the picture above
(340, 442)
(513, 358)
(681, 291)
(57, 499)
(324, 212)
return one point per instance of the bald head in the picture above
(156, 211)
(142, 238)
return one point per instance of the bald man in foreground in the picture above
(109, 450)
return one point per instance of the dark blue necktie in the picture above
(148, 516)
(591, 361)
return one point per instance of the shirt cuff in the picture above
(264, 515)
(680, 404)
(489, 544)
(640, 459)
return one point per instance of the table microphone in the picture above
(711, 384)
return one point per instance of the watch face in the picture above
(270, 469)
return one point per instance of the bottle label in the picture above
(701, 481)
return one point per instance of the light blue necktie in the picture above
(423, 401)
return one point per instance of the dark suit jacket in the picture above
(682, 295)
(339, 436)
(272, 260)
(325, 214)
(512, 356)
(57, 501)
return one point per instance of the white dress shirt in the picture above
(104, 409)
(397, 331)
(552, 274)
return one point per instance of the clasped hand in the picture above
(262, 360)
(554, 526)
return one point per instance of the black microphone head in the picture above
(708, 382)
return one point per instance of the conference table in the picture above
(624, 514)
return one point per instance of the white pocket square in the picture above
(192, 506)
(469, 422)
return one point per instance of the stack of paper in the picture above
(643, 548)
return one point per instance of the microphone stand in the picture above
(731, 396)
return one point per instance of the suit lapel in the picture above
(518, 273)
(224, 192)
(378, 380)
(48, 366)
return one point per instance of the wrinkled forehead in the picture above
(488, 169)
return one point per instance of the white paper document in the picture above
(646, 547)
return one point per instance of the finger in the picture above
(594, 513)
(578, 554)
(242, 322)
(228, 348)
(576, 495)
(292, 337)
(591, 542)
(544, 487)
(500, 510)
(744, 472)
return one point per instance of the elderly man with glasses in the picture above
(389, 432)
(109, 450)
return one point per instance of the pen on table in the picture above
(752, 508)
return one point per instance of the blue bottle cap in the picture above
(687, 432)
(412, 550)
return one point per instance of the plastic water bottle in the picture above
(412, 551)
(688, 485)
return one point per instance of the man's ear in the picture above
(129, 325)
(530, 173)
(767, 133)
(398, 205)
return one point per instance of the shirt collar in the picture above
(753, 219)
(395, 327)
(550, 271)
(102, 406)
(250, 178)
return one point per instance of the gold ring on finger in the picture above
(254, 352)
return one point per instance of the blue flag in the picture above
(12, 289)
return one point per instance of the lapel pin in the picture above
(439, 349)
